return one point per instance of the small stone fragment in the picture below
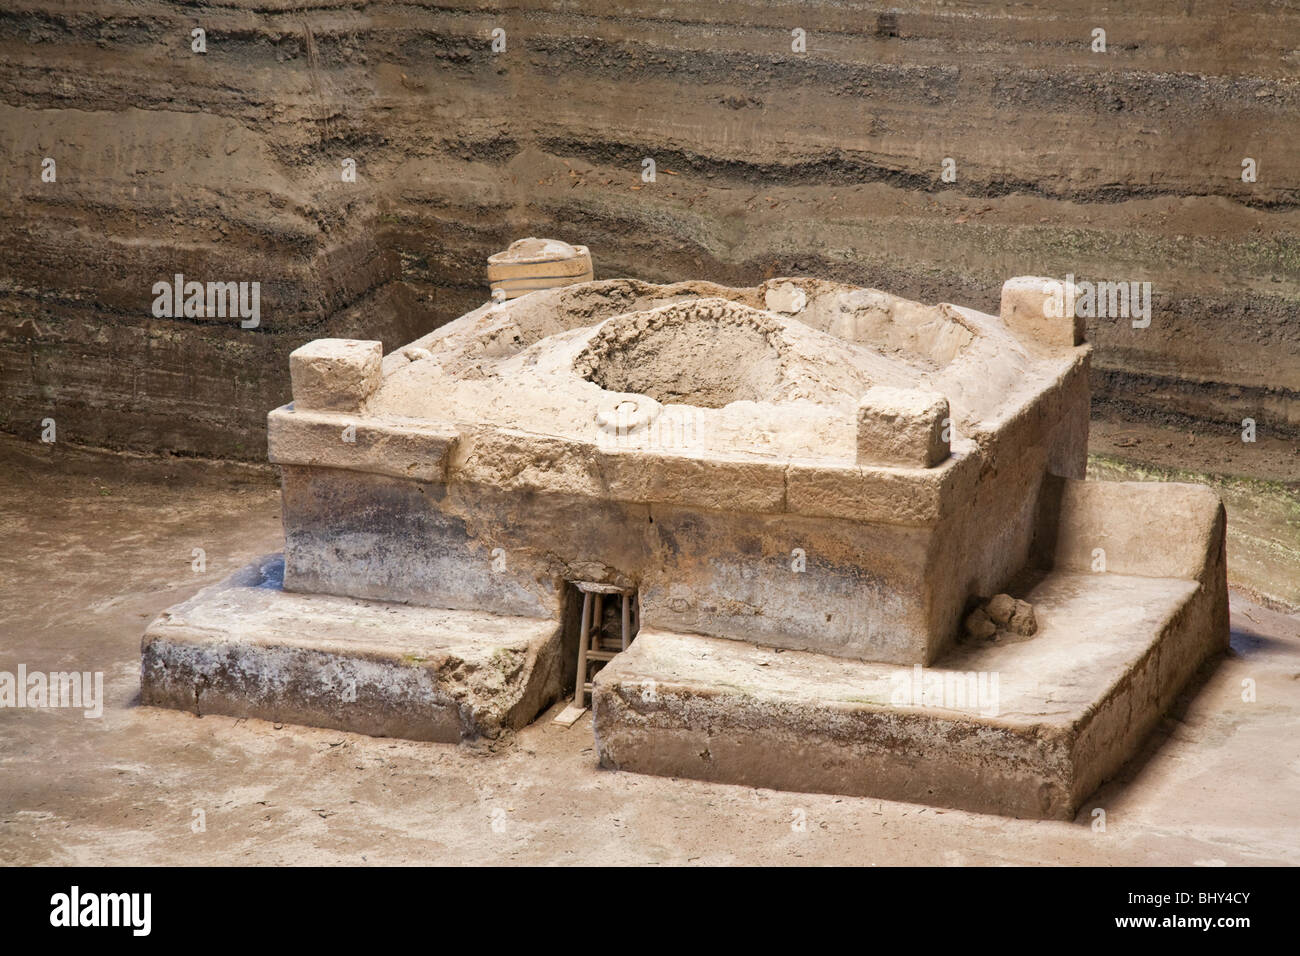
(1000, 608)
(787, 298)
(978, 625)
(1022, 620)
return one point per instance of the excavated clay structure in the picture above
(799, 492)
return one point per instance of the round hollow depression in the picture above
(708, 353)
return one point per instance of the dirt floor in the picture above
(92, 547)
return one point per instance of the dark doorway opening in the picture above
(607, 619)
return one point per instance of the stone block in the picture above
(902, 427)
(1040, 312)
(335, 374)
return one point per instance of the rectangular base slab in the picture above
(247, 648)
(1024, 726)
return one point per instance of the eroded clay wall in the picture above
(840, 587)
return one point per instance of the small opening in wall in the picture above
(608, 619)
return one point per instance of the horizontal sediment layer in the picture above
(228, 166)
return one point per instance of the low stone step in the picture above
(247, 648)
(1026, 727)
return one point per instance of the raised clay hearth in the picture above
(779, 516)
